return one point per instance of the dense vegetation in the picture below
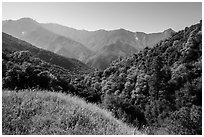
(159, 87)
(47, 113)
(23, 71)
(158, 90)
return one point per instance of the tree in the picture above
(155, 80)
(186, 121)
(44, 79)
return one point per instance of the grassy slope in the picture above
(42, 112)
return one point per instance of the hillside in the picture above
(31, 31)
(11, 44)
(159, 87)
(151, 39)
(46, 113)
(25, 66)
(103, 58)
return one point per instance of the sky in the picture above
(134, 16)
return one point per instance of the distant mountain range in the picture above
(96, 40)
(32, 32)
(96, 48)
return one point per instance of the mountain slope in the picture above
(107, 54)
(151, 39)
(159, 87)
(32, 32)
(11, 44)
(99, 42)
(41, 112)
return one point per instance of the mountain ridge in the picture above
(61, 29)
(31, 31)
(82, 45)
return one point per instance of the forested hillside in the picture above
(158, 90)
(25, 66)
(159, 87)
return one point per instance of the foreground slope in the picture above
(42, 112)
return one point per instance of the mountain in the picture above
(101, 42)
(157, 90)
(151, 39)
(158, 87)
(96, 40)
(31, 31)
(90, 47)
(107, 54)
(12, 44)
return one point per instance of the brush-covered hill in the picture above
(25, 66)
(30, 112)
(159, 87)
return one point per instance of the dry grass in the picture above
(42, 112)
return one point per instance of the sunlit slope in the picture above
(42, 112)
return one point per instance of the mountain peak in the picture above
(27, 19)
(169, 30)
(123, 30)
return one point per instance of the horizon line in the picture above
(91, 30)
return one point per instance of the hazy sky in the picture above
(146, 17)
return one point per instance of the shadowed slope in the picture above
(11, 44)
